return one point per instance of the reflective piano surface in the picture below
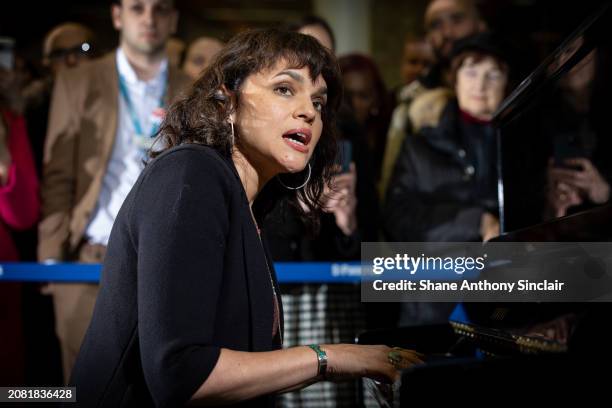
(490, 350)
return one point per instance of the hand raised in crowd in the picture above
(341, 200)
(586, 179)
(561, 197)
(5, 154)
(489, 226)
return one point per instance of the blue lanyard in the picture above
(134, 117)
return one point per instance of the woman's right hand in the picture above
(347, 361)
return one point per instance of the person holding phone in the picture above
(340, 199)
(366, 96)
(575, 182)
(579, 173)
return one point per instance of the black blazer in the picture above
(185, 275)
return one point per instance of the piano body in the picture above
(490, 352)
(511, 353)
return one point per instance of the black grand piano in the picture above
(525, 353)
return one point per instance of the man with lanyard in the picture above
(103, 117)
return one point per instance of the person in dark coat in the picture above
(444, 184)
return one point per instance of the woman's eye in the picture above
(318, 105)
(494, 76)
(283, 90)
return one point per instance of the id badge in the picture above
(157, 116)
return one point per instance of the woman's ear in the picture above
(223, 95)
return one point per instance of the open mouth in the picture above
(299, 137)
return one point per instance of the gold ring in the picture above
(400, 359)
(395, 359)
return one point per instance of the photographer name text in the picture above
(522, 285)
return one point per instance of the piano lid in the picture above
(545, 121)
(576, 46)
(594, 225)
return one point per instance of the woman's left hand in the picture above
(378, 362)
(341, 201)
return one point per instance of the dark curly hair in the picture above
(201, 116)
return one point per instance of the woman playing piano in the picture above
(189, 310)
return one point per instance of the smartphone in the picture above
(344, 156)
(566, 147)
(7, 56)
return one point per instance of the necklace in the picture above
(276, 305)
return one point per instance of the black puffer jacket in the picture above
(444, 179)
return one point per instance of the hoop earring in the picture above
(298, 187)
(232, 139)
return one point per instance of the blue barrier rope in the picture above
(287, 272)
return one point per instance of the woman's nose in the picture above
(306, 111)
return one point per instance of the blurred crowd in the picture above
(416, 162)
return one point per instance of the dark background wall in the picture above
(536, 26)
